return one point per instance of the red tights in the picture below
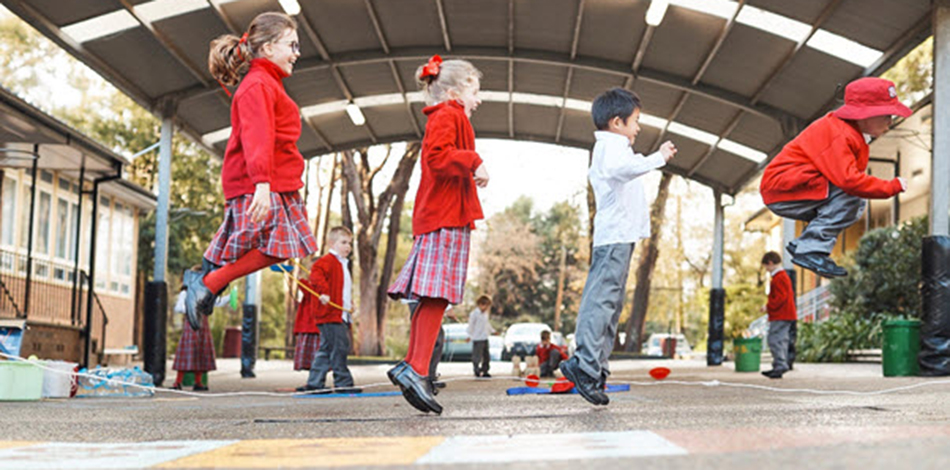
(251, 261)
(426, 324)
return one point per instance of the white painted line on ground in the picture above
(550, 447)
(85, 455)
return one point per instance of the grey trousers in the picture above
(826, 219)
(600, 307)
(334, 347)
(480, 357)
(549, 366)
(778, 343)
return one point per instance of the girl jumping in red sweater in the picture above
(445, 210)
(265, 218)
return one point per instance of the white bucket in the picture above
(59, 384)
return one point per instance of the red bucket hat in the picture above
(871, 96)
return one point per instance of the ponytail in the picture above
(230, 55)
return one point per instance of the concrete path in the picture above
(699, 417)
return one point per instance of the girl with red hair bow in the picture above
(446, 208)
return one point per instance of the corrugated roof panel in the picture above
(312, 87)
(705, 114)
(587, 84)
(542, 79)
(206, 113)
(483, 23)
(369, 79)
(343, 25)
(746, 60)
(536, 120)
(611, 29)
(389, 121)
(409, 23)
(546, 25)
(199, 27)
(801, 91)
(489, 118)
(875, 23)
(140, 58)
(667, 52)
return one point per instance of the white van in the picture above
(653, 345)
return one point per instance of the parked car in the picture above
(495, 344)
(521, 339)
(654, 347)
(457, 345)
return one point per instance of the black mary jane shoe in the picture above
(175, 387)
(411, 398)
(200, 388)
(416, 390)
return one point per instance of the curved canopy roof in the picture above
(729, 81)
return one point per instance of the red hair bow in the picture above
(432, 68)
(243, 39)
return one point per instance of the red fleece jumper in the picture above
(544, 353)
(829, 150)
(447, 198)
(326, 278)
(781, 305)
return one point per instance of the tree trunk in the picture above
(648, 256)
(326, 211)
(562, 271)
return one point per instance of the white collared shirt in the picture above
(623, 215)
(479, 329)
(347, 286)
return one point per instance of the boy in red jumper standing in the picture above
(782, 314)
(445, 212)
(819, 177)
(265, 218)
(330, 277)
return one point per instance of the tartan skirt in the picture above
(195, 351)
(437, 266)
(305, 349)
(284, 234)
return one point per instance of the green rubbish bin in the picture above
(189, 379)
(901, 345)
(748, 354)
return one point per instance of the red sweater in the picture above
(545, 352)
(830, 149)
(447, 195)
(306, 321)
(326, 277)
(781, 304)
(265, 126)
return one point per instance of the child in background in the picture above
(782, 314)
(306, 331)
(549, 355)
(479, 329)
(330, 277)
(195, 351)
(819, 177)
(265, 218)
(622, 218)
(445, 212)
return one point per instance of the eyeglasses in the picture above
(294, 46)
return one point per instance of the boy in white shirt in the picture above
(622, 218)
(479, 329)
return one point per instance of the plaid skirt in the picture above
(284, 234)
(195, 349)
(306, 347)
(437, 266)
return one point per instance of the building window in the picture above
(62, 228)
(102, 241)
(43, 219)
(24, 218)
(8, 228)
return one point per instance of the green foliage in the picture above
(883, 283)
(743, 306)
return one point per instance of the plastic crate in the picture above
(20, 381)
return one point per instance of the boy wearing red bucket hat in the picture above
(820, 176)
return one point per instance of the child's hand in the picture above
(324, 299)
(481, 176)
(903, 183)
(260, 203)
(667, 150)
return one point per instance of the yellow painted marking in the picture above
(13, 444)
(306, 453)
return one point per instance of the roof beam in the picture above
(219, 12)
(444, 24)
(642, 50)
(402, 90)
(371, 10)
(567, 89)
(829, 9)
(311, 34)
(511, 102)
(712, 148)
(577, 29)
(511, 27)
(546, 58)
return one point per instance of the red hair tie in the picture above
(432, 68)
(243, 39)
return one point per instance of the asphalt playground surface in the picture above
(717, 419)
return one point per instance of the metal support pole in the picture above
(717, 295)
(30, 236)
(788, 234)
(156, 291)
(87, 330)
(250, 324)
(940, 176)
(74, 306)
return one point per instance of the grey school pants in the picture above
(826, 219)
(600, 307)
(779, 335)
(334, 347)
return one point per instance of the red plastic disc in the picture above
(562, 385)
(532, 381)
(659, 373)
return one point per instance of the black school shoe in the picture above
(774, 374)
(587, 386)
(399, 376)
(819, 263)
